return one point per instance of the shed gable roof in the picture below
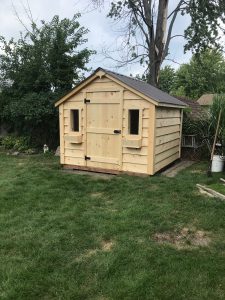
(147, 89)
(142, 87)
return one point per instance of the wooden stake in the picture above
(215, 137)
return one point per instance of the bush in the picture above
(17, 143)
(205, 126)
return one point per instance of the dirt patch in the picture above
(102, 298)
(96, 195)
(177, 167)
(107, 245)
(185, 239)
(94, 175)
(153, 187)
(87, 254)
(197, 172)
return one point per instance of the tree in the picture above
(204, 74)
(41, 66)
(167, 79)
(148, 30)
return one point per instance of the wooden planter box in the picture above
(132, 143)
(74, 139)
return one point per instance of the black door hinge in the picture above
(87, 157)
(86, 100)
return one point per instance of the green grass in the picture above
(69, 236)
(218, 186)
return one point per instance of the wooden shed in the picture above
(114, 123)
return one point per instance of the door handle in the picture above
(117, 131)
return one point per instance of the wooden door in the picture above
(104, 130)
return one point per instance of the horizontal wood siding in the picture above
(106, 89)
(79, 97)
(168, 134)
(136, 160)
(159, 129)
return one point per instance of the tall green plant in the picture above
(218, 104)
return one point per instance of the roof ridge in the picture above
(130, 77)
(145, 88)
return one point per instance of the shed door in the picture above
(104, 127)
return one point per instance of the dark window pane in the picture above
(75, 120)
(133, 121)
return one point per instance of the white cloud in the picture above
(102, 32)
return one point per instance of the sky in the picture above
(102, 32)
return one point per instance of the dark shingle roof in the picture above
(145, 88)
(196, 109)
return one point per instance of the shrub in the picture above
(205, 126)
(17, 143)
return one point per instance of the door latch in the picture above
(87, 157)
(117, 131)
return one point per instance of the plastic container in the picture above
(217, 163)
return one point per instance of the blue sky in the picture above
(102, 31)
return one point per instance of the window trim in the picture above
(71, 121)
(128, 122)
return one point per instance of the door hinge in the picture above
(86, 101)
(87, 157)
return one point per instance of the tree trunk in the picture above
(157, 41)
(160, 39)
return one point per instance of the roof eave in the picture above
(80, 85)
(173, 105)
(100, 72)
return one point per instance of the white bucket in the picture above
(217, 163)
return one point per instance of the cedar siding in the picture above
(104, 141)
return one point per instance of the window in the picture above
(75, 120)
(133, 116)
(189, 141)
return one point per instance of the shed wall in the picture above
(160, 129)
(73, 153)
(133, 160)
(167, 136)
(136, 160)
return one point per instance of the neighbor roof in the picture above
(206, 99)
(196, 109)
(142, 87)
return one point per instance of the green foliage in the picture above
(17, 143)
(204, 74)
(44, 64)
(207, 17)
(218, 104)
(140, 22)
(167, 78)
(205, 126)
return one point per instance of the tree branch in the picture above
(142, 29)
(178, 8)
(166, 48)
(177, 35)
(174, 61)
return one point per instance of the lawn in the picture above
(218, 186)
(70, 236)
